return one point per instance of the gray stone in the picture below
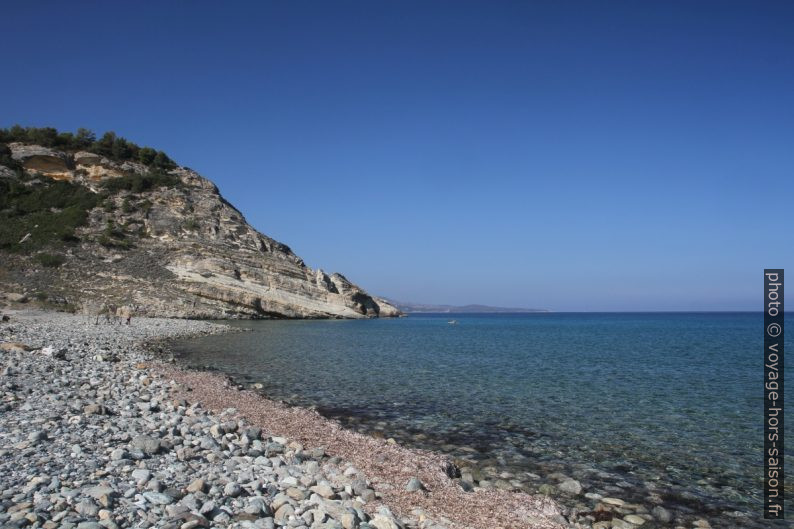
(662, 514)
(255, 506)
(414, 485)
(86, 507)
(197, 485)
(95, 409)
(16, 297)
(232, 489)
(571, 486)
(265, 523)
(146, 444)
(208, 507)
(141, 475)
(349, 520)
(158, 498)
(634, 519)
(546, 489)
(253, 433)
(99, 491)
(221, 518)
(283, 513)
(208, 443)
(324, 490)
(37, 436)
(617, 523)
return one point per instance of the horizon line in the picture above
(549, 311)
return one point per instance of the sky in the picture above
(575, 156)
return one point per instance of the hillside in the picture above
(85, 224)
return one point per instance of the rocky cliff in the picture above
(83, 230)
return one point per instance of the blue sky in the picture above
(568, 155)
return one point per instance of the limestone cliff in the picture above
(168, 244)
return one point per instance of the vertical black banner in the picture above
(773, 394)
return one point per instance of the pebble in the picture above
(141, 475)
(571, 486)
(414, 485)
(197, 485)
(158, 498)
(37, 436)
(283, 513)
(232, 490)
(99, 442)
(661, 514)
(634, 519)
(146, 444)
(323, 490)
(86, 507)
(95, 409)
(617, 523)
(546, 489)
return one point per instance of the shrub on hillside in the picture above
(109, 145)
(34, 216)
(139, 183)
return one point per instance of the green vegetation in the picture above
(50, 260)
(38, 213)
(5, 159)
(59, 303)
(109, 145)
(191, 224)
(137, 183)
(119, 244)
(114, 237)
(49, 213)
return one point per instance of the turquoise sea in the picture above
(647, 407)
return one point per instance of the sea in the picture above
(652, 408)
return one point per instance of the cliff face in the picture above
(168, 246)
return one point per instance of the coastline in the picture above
(354, 373)
(98, 432)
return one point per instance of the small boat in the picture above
(453, 322)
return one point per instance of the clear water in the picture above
(632, 405)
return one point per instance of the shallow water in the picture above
(661, 407)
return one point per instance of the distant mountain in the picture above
(420, 307)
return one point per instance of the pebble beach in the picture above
(99, 430)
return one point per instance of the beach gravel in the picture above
(98, 432)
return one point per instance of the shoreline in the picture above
(600, 491)
(386, 464)
(132, 445)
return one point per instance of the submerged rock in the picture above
(571, 486)
(661, 514)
